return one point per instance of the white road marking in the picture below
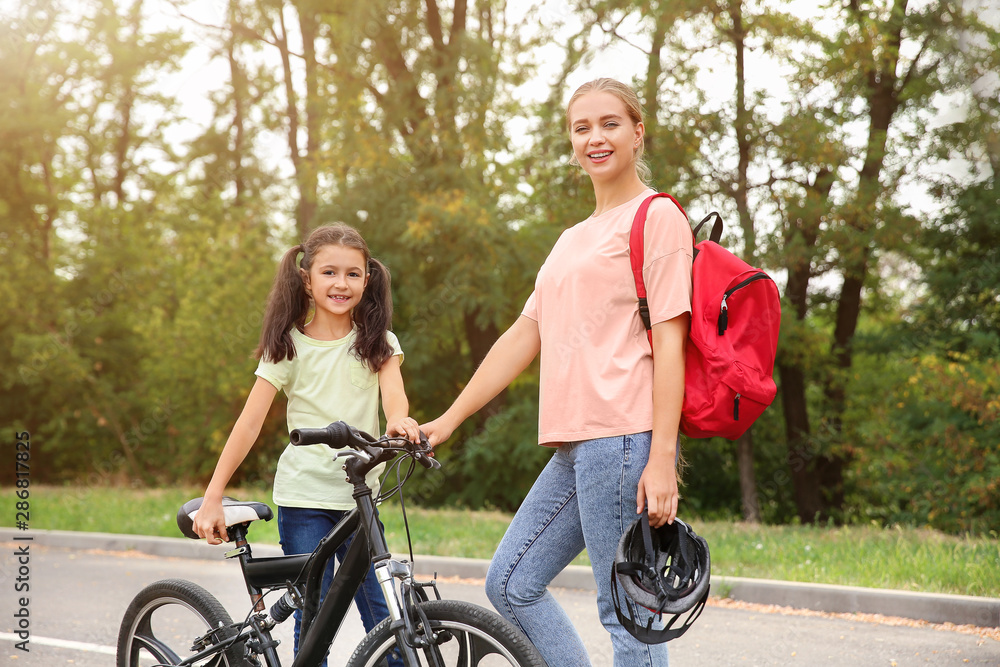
(61, 643)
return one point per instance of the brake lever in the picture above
(425, 457)
(364, 456)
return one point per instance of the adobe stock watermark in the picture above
(20, 565)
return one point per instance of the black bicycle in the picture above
(176, 622)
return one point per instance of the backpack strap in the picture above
(636, 251)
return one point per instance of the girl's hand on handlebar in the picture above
(210, 522)
(406, 427)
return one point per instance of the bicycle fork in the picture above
(406, 615)
(402, 609)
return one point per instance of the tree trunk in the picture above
(748, 480)
(239, 83)
(126, 105)
(883, 101)
(803, 232)
(744, 445)
(651, 90)
(308, 177)
(480, 340)
(743, 136)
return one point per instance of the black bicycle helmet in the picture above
(665, 570)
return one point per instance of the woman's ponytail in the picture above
(287, 306)
(373, 317)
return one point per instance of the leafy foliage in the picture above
(928, 451)
(138, 247)
(961, 252)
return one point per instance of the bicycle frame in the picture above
(320, 623)
(442, 632)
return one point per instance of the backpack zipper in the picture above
(724, 310)
(736, 408)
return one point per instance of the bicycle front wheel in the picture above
(171, 620)
(469, 636)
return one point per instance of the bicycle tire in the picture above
(165, 619)
(475, 637)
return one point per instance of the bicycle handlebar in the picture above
(336, 435)
(339, 435)
(421, 455)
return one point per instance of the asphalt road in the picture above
(77, 598)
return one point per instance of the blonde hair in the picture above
(633, 107)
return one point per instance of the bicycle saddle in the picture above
(235, 511)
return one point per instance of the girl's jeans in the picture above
(585, 497)
(301, 529)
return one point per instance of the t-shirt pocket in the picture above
(361, 376)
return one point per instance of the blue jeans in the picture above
(585, 497)
(300, 530)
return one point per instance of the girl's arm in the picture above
(658, 483)
(210, 522)
(510, 355)
(394, 402)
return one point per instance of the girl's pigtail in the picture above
(373, 317)
(287, 306)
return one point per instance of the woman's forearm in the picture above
(668, 385)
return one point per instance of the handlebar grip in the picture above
(336, 435)
(426, 458)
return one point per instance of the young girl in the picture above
(609, 407)
(331, 367)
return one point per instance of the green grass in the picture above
(895, 558)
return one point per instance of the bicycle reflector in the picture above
(664, 574)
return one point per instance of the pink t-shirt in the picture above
(596, 363)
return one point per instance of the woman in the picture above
(609, 405)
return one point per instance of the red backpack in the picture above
(735, 317)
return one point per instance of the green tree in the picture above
(960, 313)
(219, 259)
(877, 79)
(82, 184)
(425, 93)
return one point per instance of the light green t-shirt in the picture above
(325, 383)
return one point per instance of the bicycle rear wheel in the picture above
(169, 621)
(470, 635)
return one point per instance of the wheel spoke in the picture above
(473, 649)
(479, 649)
(162, 653)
